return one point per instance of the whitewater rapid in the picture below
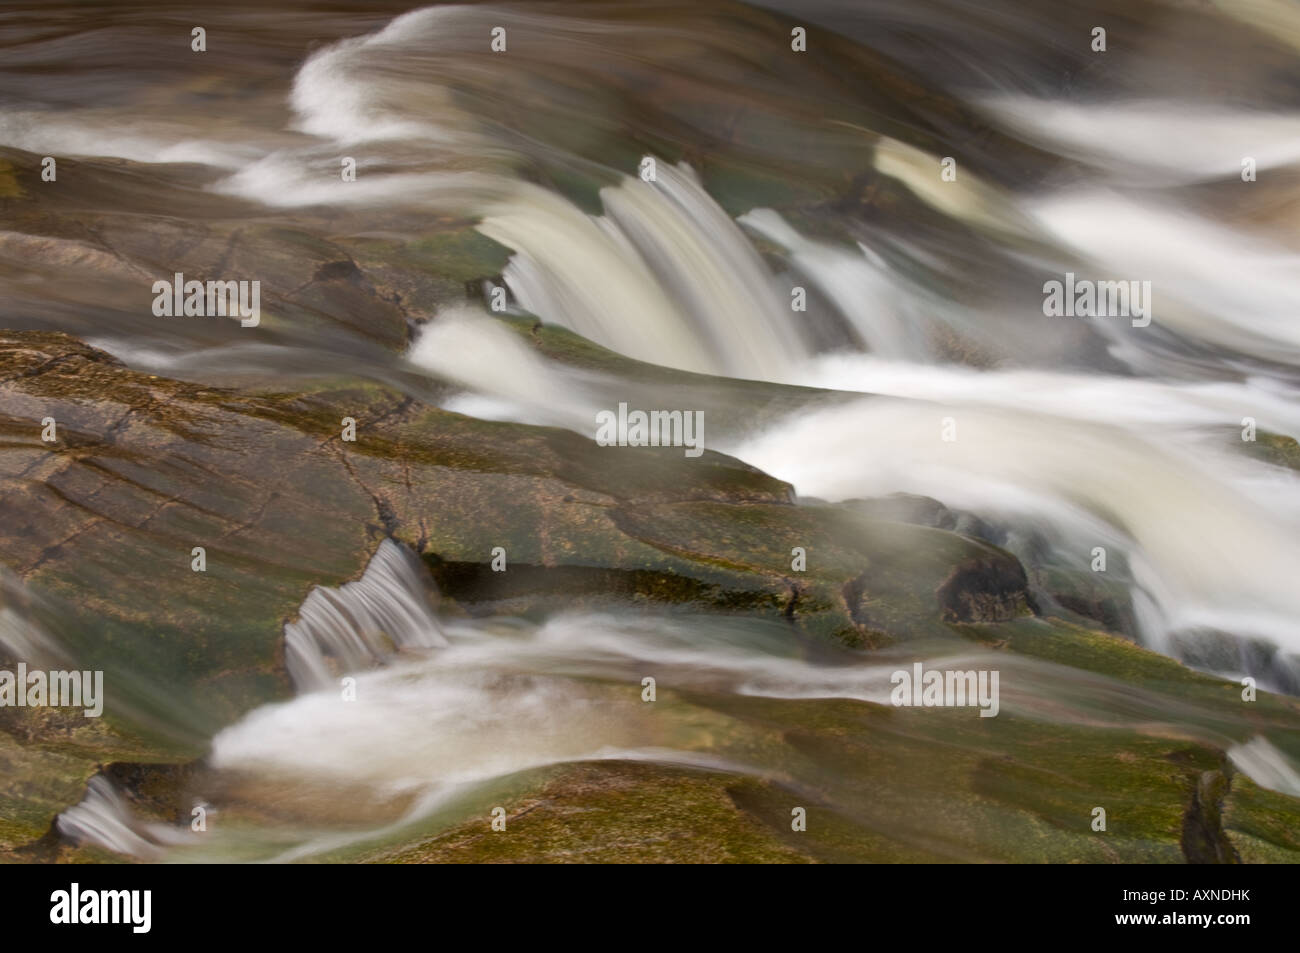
(948, 378)
(405, 737)
(1143, 456)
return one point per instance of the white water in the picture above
(496, 699)
(1203, 550)
(361, 623)
(560, 250)
(848, 278)
(500, 697)
(1210, 283)
(503, 378)
(1147, 465)
(103, 818)
(1154, 142)
(90, 135)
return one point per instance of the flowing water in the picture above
(926, 312)
(432, 731)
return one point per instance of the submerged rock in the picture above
(142, 470)
(103, 521)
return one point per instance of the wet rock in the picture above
(987, 589)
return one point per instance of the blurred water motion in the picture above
(772, 170)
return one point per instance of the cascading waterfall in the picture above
(339, 631)
(1092, 432)
(361, 623)
(104, 818)
(665, 275)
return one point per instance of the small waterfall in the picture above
(104, 819)
(355, 626)
(361, 624)
(664, 276)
